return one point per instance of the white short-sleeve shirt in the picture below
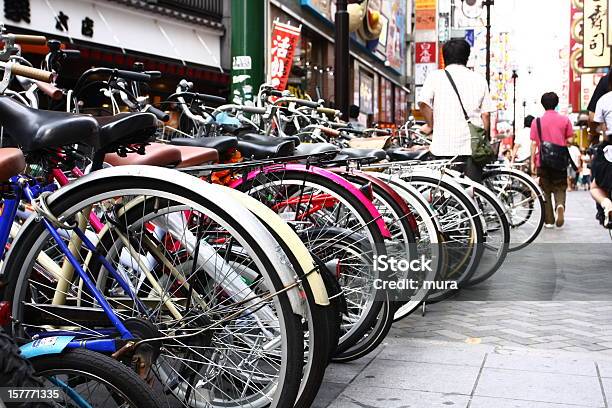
(451, 135)
(603, 111)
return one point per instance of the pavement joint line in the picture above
(603, 391)
(484, 361)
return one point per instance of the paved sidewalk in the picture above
(539, 335)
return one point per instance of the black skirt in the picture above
(601, 168)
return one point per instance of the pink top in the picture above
(556, 128)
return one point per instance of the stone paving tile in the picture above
(543, 364)
(328, 393)
(538, 386)
(427, 377)
(434, 354)
(374, 397)
(488, 402)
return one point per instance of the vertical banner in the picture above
(575, 57)
(285, 39)
(595, 21)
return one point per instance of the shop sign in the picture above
(422, 70)
(595, 21)
(113, 25)
(425, 52)
(241, 62)
(425, 19)
(321, 7)
(588, 84)
(285, 39)
(425, 5)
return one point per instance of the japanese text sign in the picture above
(425, 52)
(285, 39)
(596, 49)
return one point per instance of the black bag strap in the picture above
(450, 78)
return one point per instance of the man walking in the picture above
(557, 129)
(439, 104)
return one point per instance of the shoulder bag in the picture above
(482, 152)
(552, 156)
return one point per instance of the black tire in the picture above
(475, 249)
(538, 201)
(16, 371)
(370, 228)
(483, 272)
(99, 366)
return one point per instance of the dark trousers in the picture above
(465, 165)
(554, 184)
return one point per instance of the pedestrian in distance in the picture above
(441, 105)
(556, 130)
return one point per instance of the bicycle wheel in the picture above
(428, 244)
(523, 201)
(461, 230)
(98, 380)
(336, 227)
(209, 317)
(496, 232)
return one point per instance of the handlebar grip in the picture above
(310, 104)
(133, 76)
(275, 92)
(154, 74)
(30, 39)
(254, 109)
(330, 132)
(161, 115)
(328, 111)
(210, 98)
(33, 73)
(50, 90)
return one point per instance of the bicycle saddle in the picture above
(12, 163)
(157, 154)
(307, 149)
(265, 147)
(405, 155)
(196, 156)
(222, 144)
(36, 129)
(353, 153)
(126, 128)
(258, 137)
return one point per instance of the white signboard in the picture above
(123, 27)
(421, 71)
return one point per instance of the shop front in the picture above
(378, 61)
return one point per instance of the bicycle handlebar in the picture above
(33, 73)
(329, 111)
(160, 114)
(132, 75)
(29, 39)
(303, 102)
(50, 90)
(254, 109)
(203, 97)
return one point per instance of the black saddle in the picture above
(254, 137)
(353, 153)
(222, 144)
(405, 155)
(126, 128)
(307, 149)
(35, 129)
(265, 147)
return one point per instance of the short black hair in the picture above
(456, 51)
(528, 120)
(550, 100)
(353, 111)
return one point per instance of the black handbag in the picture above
(552, 156)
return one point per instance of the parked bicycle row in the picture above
(227, 260)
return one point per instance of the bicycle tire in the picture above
(99, 366)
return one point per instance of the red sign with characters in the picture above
(285, 39)
(425, 52)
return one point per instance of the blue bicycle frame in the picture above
(26, 188)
